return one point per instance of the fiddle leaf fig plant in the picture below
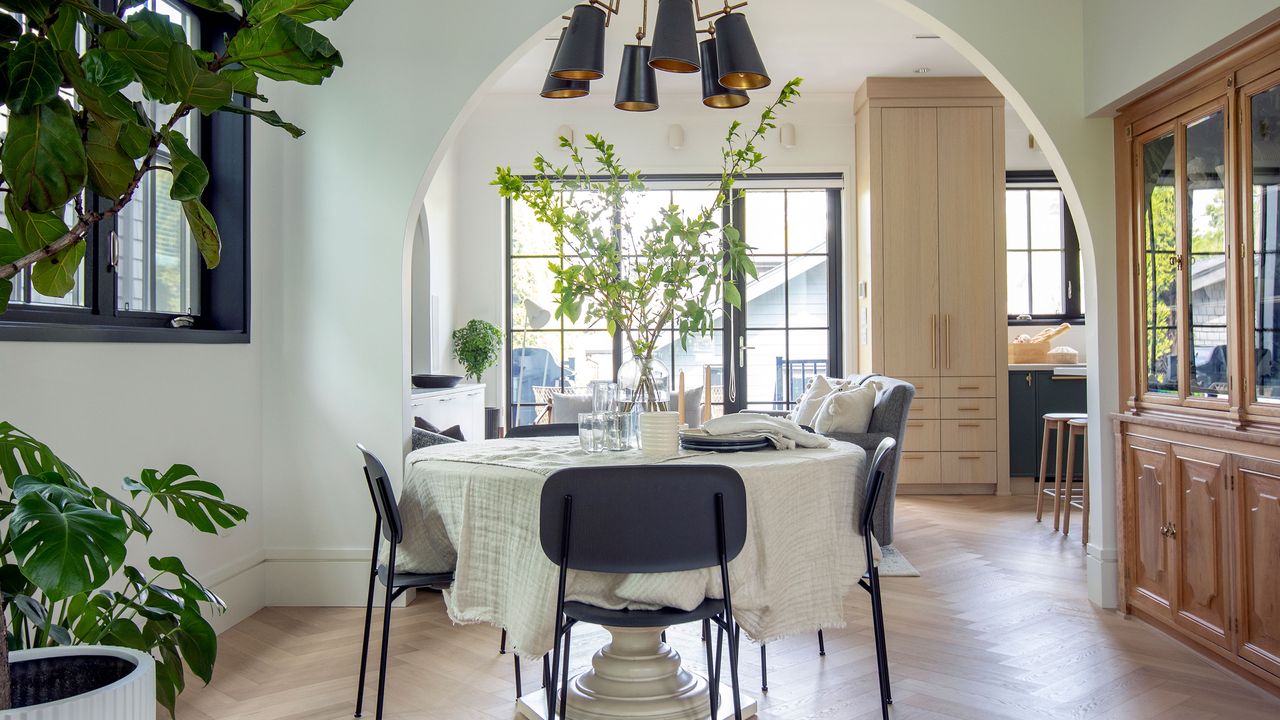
(80, 143)
(477, 346)
(65, 577)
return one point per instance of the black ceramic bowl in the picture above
(435, 382)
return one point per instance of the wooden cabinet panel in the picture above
(969, 435)
(909, 211)
(925, 409)
(1150, 579)
(969, 409)
(1201, 543)
(922, 436)
(1024, 426)
(926, 387)
(967, 387)
(1258, 562)
(966, 217)
(968, 468)
(918, 469)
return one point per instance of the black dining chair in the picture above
(869, 581)
(545, 430)
(644, 519)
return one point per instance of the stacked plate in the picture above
(701, 442)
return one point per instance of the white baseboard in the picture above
(242, 585)
(322, 577)
(1102, 566)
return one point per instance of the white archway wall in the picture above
(334, 370)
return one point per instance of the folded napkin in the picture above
(783, 433)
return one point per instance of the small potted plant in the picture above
(477, 346)
(93, 634)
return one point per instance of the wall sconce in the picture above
(787, 133)
(675, 137)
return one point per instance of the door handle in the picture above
(1028, 379)
(742, 355)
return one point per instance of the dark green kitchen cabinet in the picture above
(1032, 394)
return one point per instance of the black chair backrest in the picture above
(384, 497)
(875, 480)
(643, 518)
(549, 430)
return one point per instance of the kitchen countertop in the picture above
(1044, 367)
(421, 392)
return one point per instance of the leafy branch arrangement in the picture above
(73, 127)
(638, 280)
(65, 542)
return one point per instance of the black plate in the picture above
(436, 382)
(722, 446)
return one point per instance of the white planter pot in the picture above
(133, 697)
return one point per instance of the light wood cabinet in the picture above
(1197, 190)
(930, 188)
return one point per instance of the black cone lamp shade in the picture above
(556, 89)
(581, 52)
(715, 95)
(675, 38)
(741, 67)
(637, 84)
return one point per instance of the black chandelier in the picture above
(728, 60)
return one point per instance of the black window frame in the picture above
(225, 147)
(1072, 289)
(734, 337)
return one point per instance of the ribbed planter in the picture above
(82, 683)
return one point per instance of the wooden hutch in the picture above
(1198, 191)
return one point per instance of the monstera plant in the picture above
(78, 146)
(64, 572)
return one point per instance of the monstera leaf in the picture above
(199, 503)
(21, 454)
(66, 550)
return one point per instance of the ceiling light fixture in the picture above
(729, 61)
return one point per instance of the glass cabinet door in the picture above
(1159, 234)
(1263, 196)
(1206, 279)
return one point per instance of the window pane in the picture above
(766, 301)
(767, 221)
(1160, 254)
(588, 356)
(766, 367)
(1046, 219)
(1265, 118)
(532, 303)
(807, 224)
(1047, 287)
(535, 371)
(807, 291)
(1207, 276)
(1015, 219)
(528, 236)
(1019, 284)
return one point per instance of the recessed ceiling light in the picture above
(922, 70)
(927, 36)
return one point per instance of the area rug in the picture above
(894, 564)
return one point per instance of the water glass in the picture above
(591, 432)
(621, 434)
(604, 396)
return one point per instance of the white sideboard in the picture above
(462, 406)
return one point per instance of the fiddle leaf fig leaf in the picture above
(302, 10)
(6, 291)
(270, 117)
(67, 551)
(56, 276)
(111, 169)
(243, 81)
(105, 71)
(145, 45)
(284, 49)
(43, 157)
(190, 176)
(205, 230)
(34, 75)
(212, 5)
(33, 231)
(193, 85)
(10, 28)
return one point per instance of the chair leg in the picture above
(764, 670)
(502, 644)
(734, 637)
(546, 671)
(1068, 480)
(386, 640)
(1057, 475)
(882, 652)
(822, 644)
(564, 672)
(364, 647)
(713, 685)
(1044, 472)
(519, 686)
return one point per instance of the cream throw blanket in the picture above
(783, 433)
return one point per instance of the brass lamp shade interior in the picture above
(741, 67)
(637, 83)
(556, 89)
(715, 95)
(581, 52)
(675, 38)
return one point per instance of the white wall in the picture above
(508, 130)
(1131, 46)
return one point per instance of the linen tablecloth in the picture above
(475, 507)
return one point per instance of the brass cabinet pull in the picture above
(969, 387)
(915, 424)
(969, 425)
(969, 409)
(933, 340)
(1028, 379)
(909, 456)
(947, 332)
(970, 457)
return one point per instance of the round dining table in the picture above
(474, 507)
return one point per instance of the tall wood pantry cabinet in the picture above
(931, 272)
(1198, 186)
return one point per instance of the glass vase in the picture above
(643, 385)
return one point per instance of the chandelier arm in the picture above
(610, 8)
(728, 8)
(643, 32)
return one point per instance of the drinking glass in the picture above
(604, 396)
(591, 427)
(621, 433)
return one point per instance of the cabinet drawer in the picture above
(925, 409)
(966, 408)
(464, 409)
(969, 387)
(926, 387)
(969, 435)
(922, 436)
(918, 469)
(969, 468)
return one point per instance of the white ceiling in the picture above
(833, 44)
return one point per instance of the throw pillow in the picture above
(426, 438)
(847, 411)
(424, 424)
(453, 433)
(565, 407)
(812, 399)
(692, 406)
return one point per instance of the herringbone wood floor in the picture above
(997, 627)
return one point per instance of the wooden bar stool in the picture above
(1055, 426)
(1077, 429)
